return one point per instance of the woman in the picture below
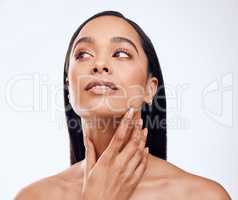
(111, 66)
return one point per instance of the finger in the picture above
(90, 154)
(144, 137)
(131, 147)
(137, 130)
(136, 117)
(139, 171)
(134, 162)
(131, 130)
(135, 141)
(119, 137)
(132, 126)
(128, 152)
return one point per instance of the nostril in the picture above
(95, 69)
(105, 69)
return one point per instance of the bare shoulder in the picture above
(184, 185)
(201, 187)
(48, 187)
(56, 187)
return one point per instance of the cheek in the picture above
(133, 85)
(76, 80)
(132, 76)
(135, 94)
(77, 76)
(73, 81)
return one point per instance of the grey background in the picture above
(196, 42)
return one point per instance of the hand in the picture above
(121, 166)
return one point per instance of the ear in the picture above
(151, 88)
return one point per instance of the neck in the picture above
(100, 130)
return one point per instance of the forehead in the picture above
(106, 27)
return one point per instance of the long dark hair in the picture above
(154, 116)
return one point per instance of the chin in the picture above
(103, 111)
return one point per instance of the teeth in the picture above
(102, 87)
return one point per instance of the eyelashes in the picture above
(123, 50)
(79, 55)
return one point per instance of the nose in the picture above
(100, 67)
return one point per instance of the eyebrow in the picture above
(117, 39)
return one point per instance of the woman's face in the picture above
(108, 49)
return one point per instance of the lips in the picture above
(109, 84)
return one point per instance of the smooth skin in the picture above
(116, 166)
(118, 169)
(120, 175)
(115, 174)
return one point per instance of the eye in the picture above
(124, 53)
(81, 55)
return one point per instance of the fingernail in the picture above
(130, 113)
